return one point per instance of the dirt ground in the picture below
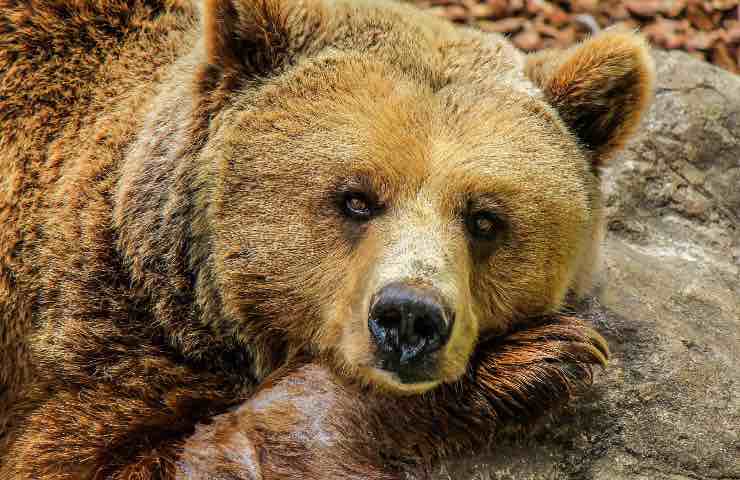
(706, 29)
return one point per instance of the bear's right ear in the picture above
(600, 88)
(254, 37)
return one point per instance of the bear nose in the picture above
(408, 323)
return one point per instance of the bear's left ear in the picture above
(250, 36)
(600, 88)
(254, 38)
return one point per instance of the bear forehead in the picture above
(434, 51)
(345, 113)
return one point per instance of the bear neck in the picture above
(161, 217)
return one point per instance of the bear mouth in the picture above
(424, 371)
(414, 376)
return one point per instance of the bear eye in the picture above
(485, 225)
(357, 205)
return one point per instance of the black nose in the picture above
(408, 322)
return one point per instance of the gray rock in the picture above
(668, 405)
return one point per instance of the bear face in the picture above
(391, 182)
(382, 189)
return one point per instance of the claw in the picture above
(602, 347)
(533, 369)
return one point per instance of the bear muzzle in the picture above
(409, 323)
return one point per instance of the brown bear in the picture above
(356, 221)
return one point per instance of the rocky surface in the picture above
(668, 405)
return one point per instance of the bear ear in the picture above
(600, 88)
(251, 36)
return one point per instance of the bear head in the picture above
(383, 189)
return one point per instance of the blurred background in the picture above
(706, 29)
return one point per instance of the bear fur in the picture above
(171, 246)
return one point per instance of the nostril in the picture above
(426, 327)
(389, 318)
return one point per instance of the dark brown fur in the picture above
(133, 302)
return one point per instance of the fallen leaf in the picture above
(505, 25)
(528, 40)
(617, 10)
(724, 4)
(699, 17)
(644, 8)
(666, 33)
(567, 36)
(547, 30)
(534, 7)
(675, 8)
(733, 35)
(584, 6)
(722, 57)
(554, 14)
(515, 6)
(702, 40)
(487, 10)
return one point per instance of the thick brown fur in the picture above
(170, 243)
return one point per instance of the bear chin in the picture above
(390, 382)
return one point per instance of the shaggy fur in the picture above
(171, 243)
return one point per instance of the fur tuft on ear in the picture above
(248, 39)
(600, 88)
(245, 35)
